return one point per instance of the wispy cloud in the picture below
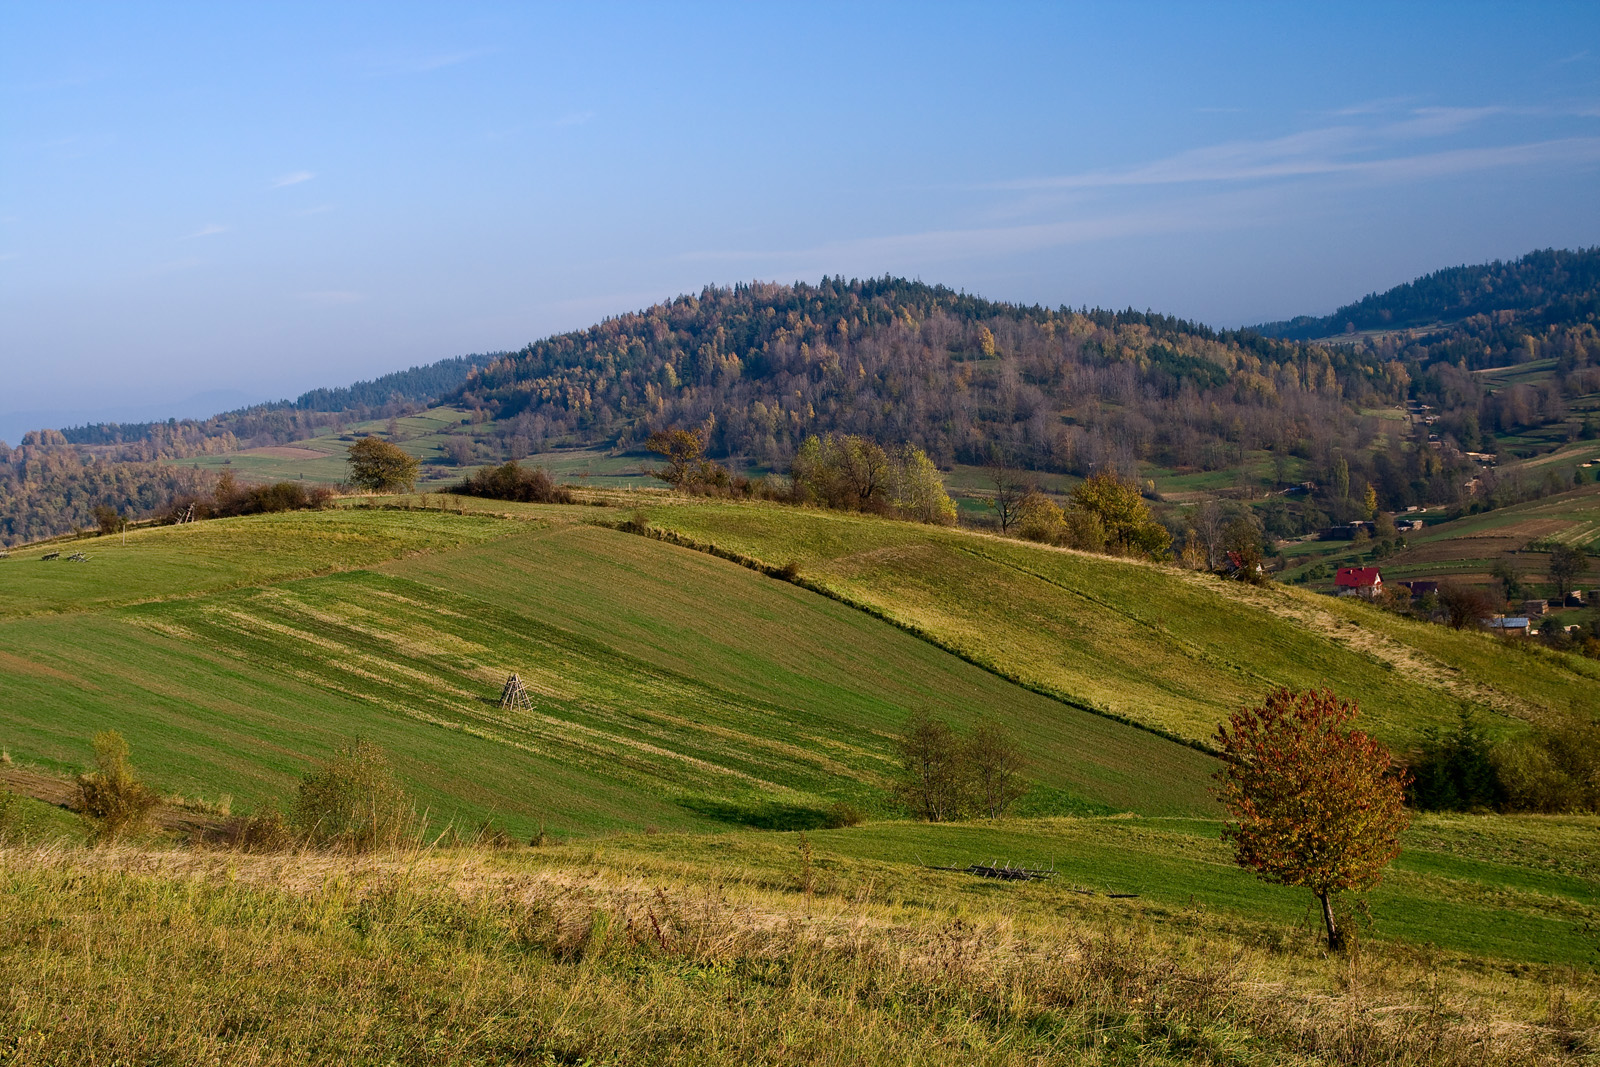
(577, 118)
(330, 297)
(320, 209)
(943, 245)
(292, 178)
(1354, 149)
(401, 62)
(5, 256)
(209, 230)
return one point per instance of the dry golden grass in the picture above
(592, 953)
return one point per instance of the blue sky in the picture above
(248, 201)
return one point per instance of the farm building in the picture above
(1511, 626)
(1533, 609)
(1422, 587)
(1358, 581)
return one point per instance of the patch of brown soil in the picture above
(63, 792)
(17, 665)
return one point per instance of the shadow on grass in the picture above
(762, 814)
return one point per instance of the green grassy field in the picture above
(669, 687)
(1167, 648)
(691, 716)
(321, 460)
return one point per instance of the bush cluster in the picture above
(1553, 771)
(111, 796)
(1105, 514)
(354, 803)
(857, 474)
(944, 776)
(512, 481)
(228, 498)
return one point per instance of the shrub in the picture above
(512, 481)
(1455, 771)
(1039, 519)
(263, 831)
(111, 796)
(354, 803)
(841, 815)
(1554, 771)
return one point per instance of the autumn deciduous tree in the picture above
(943, 776)
(994, 769)
(1311, 802)
(381, 467)
(933, 774)
(1463, 605)
(681, 449)
(1010, 489)
(1567, 564)
(1125, 517)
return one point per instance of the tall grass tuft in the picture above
(354, 803)
(111, 796)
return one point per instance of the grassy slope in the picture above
(1147, 643)
(670, 687)
(174, 561)
(727, 950)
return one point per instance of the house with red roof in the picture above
(1358, 581)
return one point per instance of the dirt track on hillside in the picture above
(63, 793)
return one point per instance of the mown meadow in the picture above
(669, 687)
(1169, 649)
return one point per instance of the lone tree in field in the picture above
(1311, 803)
(933, 769)
(1567, 564)
(994, 769)
(381, 467)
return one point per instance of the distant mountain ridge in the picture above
(416, 385)
(1561, 285)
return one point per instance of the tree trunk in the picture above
(1335, 935)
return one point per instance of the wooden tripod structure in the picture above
(515, 695)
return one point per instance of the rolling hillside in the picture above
(675, 688)
(1170, 649)
(671, 687)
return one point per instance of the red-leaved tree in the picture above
(1312, 803)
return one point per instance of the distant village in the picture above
(1367, 582)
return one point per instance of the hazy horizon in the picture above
(253, 203)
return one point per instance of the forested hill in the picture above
(418, 385)
(765, 365)
(54, 479)
(1558, 287)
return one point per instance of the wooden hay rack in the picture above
(514, 695)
